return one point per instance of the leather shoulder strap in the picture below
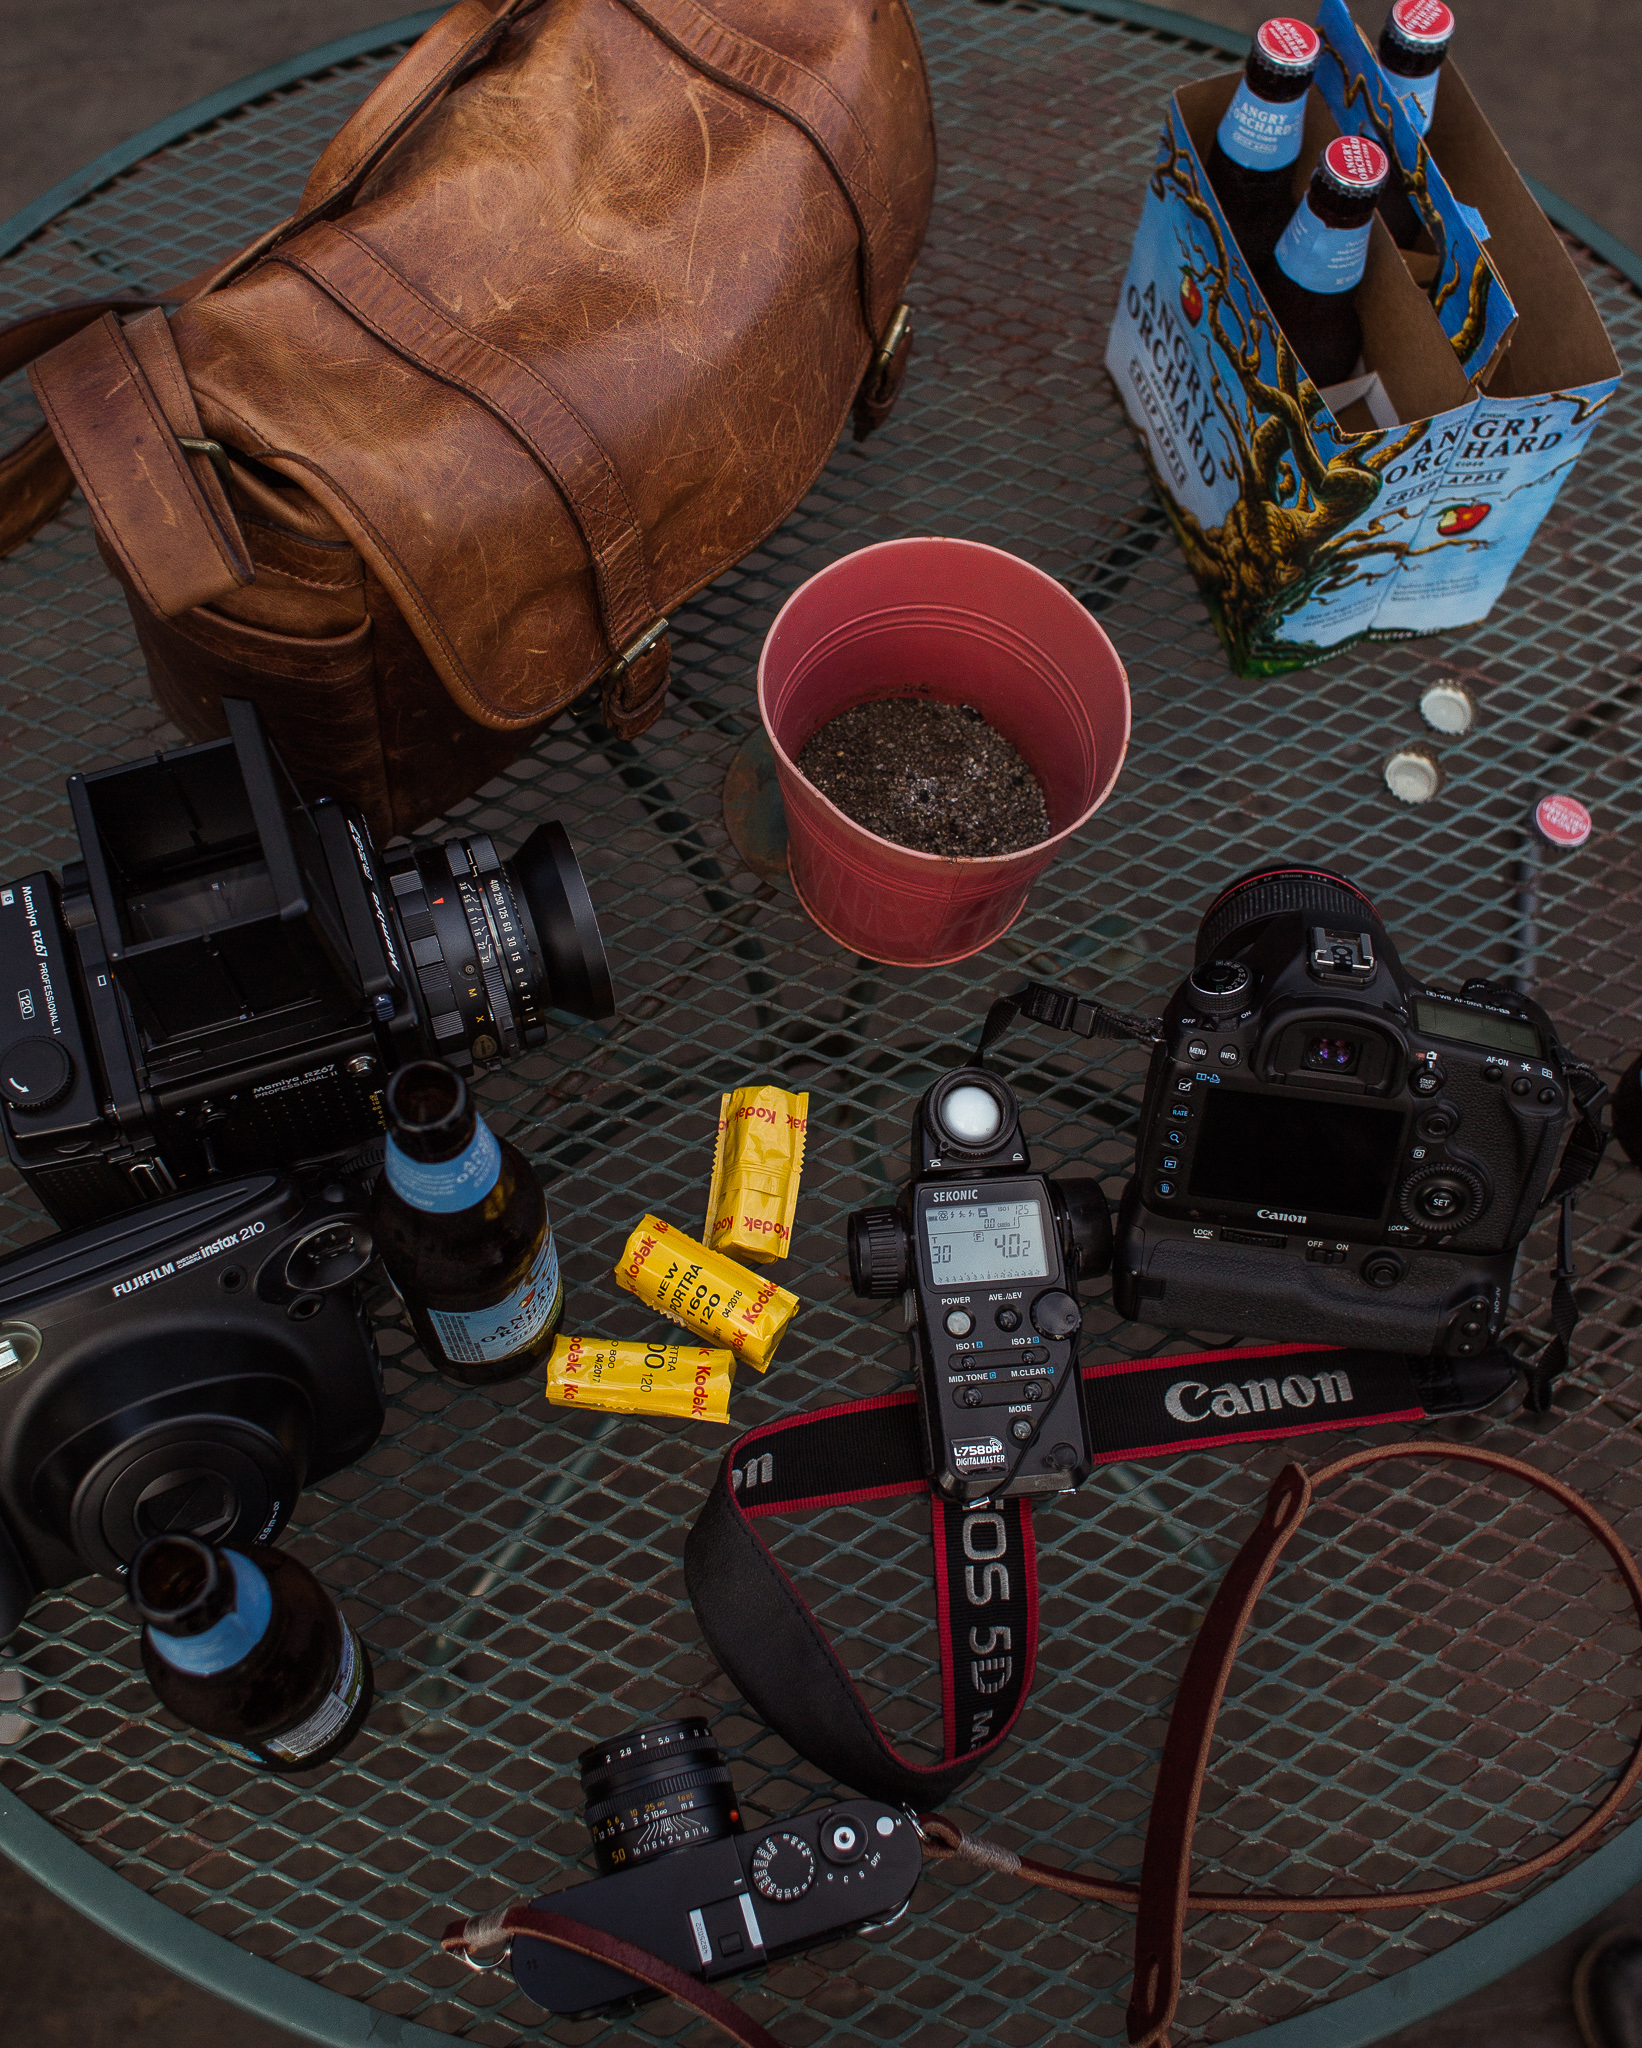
(158, 505)
(381, 299)
(816, 107)
(34, 478)
(411, 90)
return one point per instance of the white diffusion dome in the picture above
(972, 1115)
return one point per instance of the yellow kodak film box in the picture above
(757, 1163)
(641, 1379)
(705, 1291)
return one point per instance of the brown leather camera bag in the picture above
(569, 317)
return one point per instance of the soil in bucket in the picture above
(935, 777)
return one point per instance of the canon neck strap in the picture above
(985, 1562)
(1582, 1155)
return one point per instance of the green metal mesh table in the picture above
(1438, 1680)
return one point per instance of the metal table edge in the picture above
(209, 1960)
(220, 1966)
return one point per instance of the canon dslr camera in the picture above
(225, 979)
(680, 1879)
(1330, 1151)
(990, 1255)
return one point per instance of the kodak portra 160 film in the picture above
(705, 1291)
(641, 1379)
(756, 1165)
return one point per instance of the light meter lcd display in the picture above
(982, 1242)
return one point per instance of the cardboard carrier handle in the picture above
(1164, 1896)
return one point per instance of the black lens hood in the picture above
(552, 892)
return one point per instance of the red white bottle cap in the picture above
(1422, 24)
(1288, 45)
(1563, 820)
(1356, 165)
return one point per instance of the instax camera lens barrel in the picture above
(661, 1788)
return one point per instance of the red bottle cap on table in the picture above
(1288, 45)
(1422, 24)
(1356, 165)
(1563, 820)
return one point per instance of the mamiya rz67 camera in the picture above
(226, 978)
(993, 1254)
(681, 1880)
(191, 1365)
(1330, 1150)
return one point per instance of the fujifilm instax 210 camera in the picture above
(1329, 1150)
(190, 1366)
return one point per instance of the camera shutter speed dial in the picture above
(35, 1073)
(783, 1868)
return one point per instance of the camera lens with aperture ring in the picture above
(663, 1787)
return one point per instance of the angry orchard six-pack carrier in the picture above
(1400, 501)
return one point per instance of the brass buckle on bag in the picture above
(890, 347)
(215, 453)
(636, 650)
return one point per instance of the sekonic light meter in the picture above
(989, 1256)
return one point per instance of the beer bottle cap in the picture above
(1421, 25)
(1562, 820)
(1448, 707)
(1288, 46)
(1413, 774)
(1354, 165)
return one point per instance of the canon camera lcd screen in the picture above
(977, 1243)
(1335, 1158)
(1471, 1027)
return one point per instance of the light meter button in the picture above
(959, 1322)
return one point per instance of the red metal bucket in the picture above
(968, 624)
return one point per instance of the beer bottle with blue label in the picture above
(461, 1224)
(248, 1647)
(1311, 281)
(1251, 165)
(1412, 47)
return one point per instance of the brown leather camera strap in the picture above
(493, 1931)
(1164, 1896)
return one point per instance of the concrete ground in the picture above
(1562, 84)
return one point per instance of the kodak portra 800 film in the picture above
(756, 1165)
(641, 1379)
(705, 1291)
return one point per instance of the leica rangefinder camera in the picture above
(681, 1879)
(187, 1367)
(225, 979)
(989, 1255)
(1330, 1150)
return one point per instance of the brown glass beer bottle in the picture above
(1412, 47)
(1317, 265)
(1251, 165)
(462, 1226)
(248, 1647)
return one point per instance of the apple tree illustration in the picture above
(1292, 534)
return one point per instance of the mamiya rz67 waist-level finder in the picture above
(992, 1254)
(226, 978)
(1331, 1151)
(679, 1878)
